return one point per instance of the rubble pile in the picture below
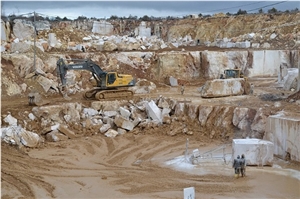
(114, 118)
(257, 31)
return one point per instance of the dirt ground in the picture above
(144, 165)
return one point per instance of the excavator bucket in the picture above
(63, 92)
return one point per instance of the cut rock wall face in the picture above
(284, 132)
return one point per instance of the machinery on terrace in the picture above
(110, 85)
(231, 83)
(232, 73)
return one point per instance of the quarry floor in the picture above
(144, 165)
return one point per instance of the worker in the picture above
(243, 165)
(236, 165)
(251, 89)
(182, 89)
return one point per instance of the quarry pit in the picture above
(79, 148)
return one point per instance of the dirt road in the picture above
(132, 166)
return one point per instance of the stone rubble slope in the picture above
(52, 123)
(267, 31)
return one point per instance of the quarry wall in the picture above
(284, 131)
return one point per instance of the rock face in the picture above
(283, 130)
(223, 87)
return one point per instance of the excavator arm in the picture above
(97, 72)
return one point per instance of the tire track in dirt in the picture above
(18, 171)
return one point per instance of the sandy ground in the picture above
(138, 165)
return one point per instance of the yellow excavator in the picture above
(232, 73)
(110, 85)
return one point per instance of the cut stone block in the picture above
(11, 120)
(121, 131)
(173, 81)
(257, 152)
(110, 113)
(283, 130)
(153, 111)
(124, 112)
(223, 87)
(105, 128)
(90, 111)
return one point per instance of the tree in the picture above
(57, 18)
(260, 11)
(241, 12)
(200, 15)
(145, 18)
(113, 17)
(81, 18)
(273, 10)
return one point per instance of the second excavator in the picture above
(110, 85)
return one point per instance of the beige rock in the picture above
(65, 130)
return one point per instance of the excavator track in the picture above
(97, 94)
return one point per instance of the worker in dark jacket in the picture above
(243, 165)
(237, 166)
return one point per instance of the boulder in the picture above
(10, 120)
(111, 133)
(109, 46)
(19, 136)
(65, 130)
(55, 136)
(122, 122)
(105, 128)
(47, 83)
(11, 88)
(22, 29)
(124, 112)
